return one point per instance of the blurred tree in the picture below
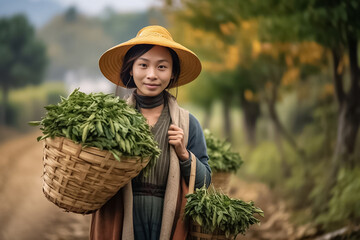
(22, 57)
(213, 82)
(75, 43)
(71, 14)
(247, 91)
(124, 26)
(225, 51)
(259, 71)
(336, 25)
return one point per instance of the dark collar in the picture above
(148, 102)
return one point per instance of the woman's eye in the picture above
(143, 65)
(162, 66)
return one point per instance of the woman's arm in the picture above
(197, 145)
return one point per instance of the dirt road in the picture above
(26, 214)
(24, 211)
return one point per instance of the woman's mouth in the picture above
(151, 86)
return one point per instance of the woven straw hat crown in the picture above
(111, 61)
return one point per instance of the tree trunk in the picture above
(4, 104)
(278, 125)
(338, 74)
(349, 112)
(286, 169)
(227, 119)
(348, 118)
(348, 125)
(251, 112)
(207, 117)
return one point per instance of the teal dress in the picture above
(149, 192)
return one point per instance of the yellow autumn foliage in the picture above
(328, 90)
(246, 25)
(228, 28)
(310, 52)
(256, 48)
(212, 66)
(249, 95)
(290, 76)
(232, 57)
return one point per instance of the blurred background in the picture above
(280, 82)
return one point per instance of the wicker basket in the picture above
(197, 232)
(220, 180)
(82, 180)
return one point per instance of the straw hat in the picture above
(112, 60)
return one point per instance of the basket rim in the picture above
(216, 234)
(51, 141)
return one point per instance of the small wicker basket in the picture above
(81, 180)
(197, 232)
(220, 180)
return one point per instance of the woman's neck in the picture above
(152, 115)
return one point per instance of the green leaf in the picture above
(34, 123)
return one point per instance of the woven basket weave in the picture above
(197, 232)
(81, 180)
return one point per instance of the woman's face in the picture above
(152, 71)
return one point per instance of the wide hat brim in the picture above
(111, 61)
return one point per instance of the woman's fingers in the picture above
(174, 127)
(176, 138)
(175, 133)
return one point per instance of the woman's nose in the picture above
(151, 74)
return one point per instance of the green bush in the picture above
(28, 103)
(344, 206)
(221, 157)
(264, 163)
(12, 114)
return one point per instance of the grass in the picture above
(27, 103)
(37, 93)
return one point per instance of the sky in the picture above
(41, 11)
(93, 7)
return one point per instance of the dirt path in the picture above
(276, 223)
(26, 214)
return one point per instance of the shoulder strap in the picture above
(192, 174)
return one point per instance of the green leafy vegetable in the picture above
(220, 154)
(103, 121)
(215, 210)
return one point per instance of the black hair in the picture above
(134, 53)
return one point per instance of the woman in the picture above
(151, 207)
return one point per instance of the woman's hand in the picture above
(176, 138)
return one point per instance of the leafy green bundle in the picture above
(222, 159)
(103, 121)
(214, 210)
